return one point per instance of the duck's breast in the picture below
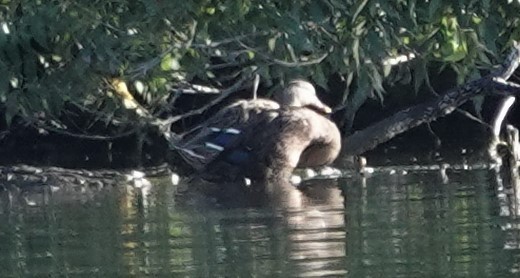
(323, 140)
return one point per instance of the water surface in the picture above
(387, 225)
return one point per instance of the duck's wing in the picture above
(242, 154)
(204, 143)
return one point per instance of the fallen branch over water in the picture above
(56, 176)
(384, 130)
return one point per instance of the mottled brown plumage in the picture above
(262, 138)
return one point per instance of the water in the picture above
(388, 225)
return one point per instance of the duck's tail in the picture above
(204, 147)
(188, 153)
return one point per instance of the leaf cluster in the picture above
(57, 54)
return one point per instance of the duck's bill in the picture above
(321, 108)
(326, 109)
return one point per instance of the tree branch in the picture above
(400, 122)
(224, 94)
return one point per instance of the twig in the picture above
(198, 89)
(501, 115)
(231, 40)
(504, 87)
(224, 94)
(256, 82)
(233, 64)
(86, 136)
(3, 134)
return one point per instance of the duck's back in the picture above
(241, 112)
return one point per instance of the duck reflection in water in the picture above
(263, 139)
(306, 224)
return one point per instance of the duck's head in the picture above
(300, 93)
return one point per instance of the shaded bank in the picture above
(494, 83)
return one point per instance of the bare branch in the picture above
(510, 63)
(461, 111)
(85, 136)
(197, 89)
(224, 94)
(501, 115)
(505, 87)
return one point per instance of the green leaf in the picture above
(377, 82)
(271, 43)
(420, 74)
(478, 104)
(12, 52)
(210, 10)
(316, 12)
(170, 63)
(433, 9)
(4, 82)
(210, 74)
(359, 6)
(363, 83)
(320, 78)
(39, 33)
(355, 52)
(30, 67)
(361, 93)
(387, 69)
(251, 54)
(11, 107)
